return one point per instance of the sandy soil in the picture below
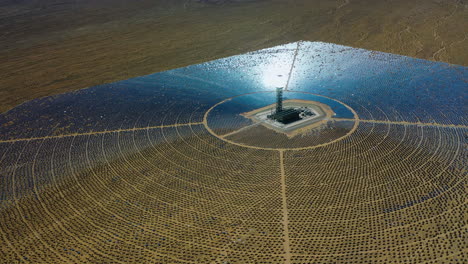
(54, 46)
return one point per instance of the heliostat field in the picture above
(169, 168)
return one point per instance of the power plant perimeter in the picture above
(307, 152)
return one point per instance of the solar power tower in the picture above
(281, 115)
(279, 99)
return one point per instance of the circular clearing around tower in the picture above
(247, 120)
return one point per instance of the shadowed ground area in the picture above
(54, 46)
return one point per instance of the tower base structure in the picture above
(297, 116)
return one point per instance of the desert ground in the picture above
(54, 46)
